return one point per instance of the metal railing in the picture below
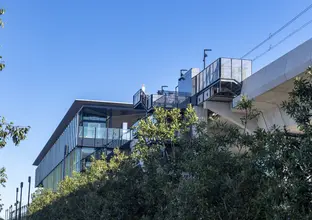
(116, 141)
(140, 98)
(12, 214)
(168, 100)
(100, 133)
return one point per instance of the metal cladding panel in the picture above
(56, 153)
(200, 99)
(185, 85)
(206, 94)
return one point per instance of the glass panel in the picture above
(136, 97)
(204, 79)
(101, 133)
(113, 133)
(85, 151)
(246, 69)
(207, 72)
(199, 82)
(237, 70)
(93, 118)
(226, 68)
(211, 78)
(193, 85)
(88, 132)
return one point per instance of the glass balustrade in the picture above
(103, 133)
(140, 99)
(221, 80)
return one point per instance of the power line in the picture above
(285, 38)
(279, 30)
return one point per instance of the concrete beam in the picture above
(224, 109)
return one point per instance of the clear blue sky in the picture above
(58, 51)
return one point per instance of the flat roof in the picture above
(72, 111)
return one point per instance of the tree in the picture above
(182, 169)
(16, 134)
(8, 130)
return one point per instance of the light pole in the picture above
(16, 203)
(29, 181)
(10, 212)
(162, 88)
(20, 205)
(181, 74)
(205, 55)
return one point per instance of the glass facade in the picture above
(72, 163)
(139, 99)
(101, 133)
(89, 130)
(236, 69)
(206, 77)
(55, 155)
(222, 68)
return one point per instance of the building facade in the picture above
(91, 128)
(88, 127)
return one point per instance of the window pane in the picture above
(246, 69)
(237, 70)
(226, 68)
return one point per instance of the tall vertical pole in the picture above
(29, 182)
(205, 55)
(16, 203)
(20, 205)
(10, 213)
(204, 59)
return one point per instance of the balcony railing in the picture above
(11, 214)
(221, 80)
(140, 99)
(100, 137)
(167, 100)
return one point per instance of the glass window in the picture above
(197, 83)
(207, 76)
(237, 70)
(226, 68)
(86, 151)
(246, 69)
(194, 85)
(214, 72)
(201, 81)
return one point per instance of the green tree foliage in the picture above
(182, 169)
(16, 134)
(8, 130)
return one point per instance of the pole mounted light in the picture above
(205, 55)
(162, 88)
(181, 74)
(16, 203)
(29, 182)
(20, 204)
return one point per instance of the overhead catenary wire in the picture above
(279, 30)
(281, 41)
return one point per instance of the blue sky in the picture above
(58, 51)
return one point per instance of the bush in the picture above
(221, 172)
